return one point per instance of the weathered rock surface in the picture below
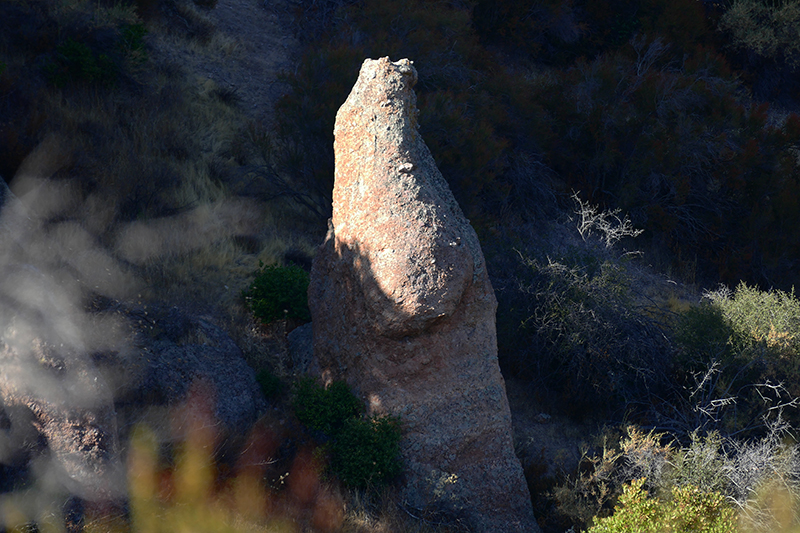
(84, 404)
(301, 348)
(54, 398)
(173, 351)
(404, 311)
(69, 405)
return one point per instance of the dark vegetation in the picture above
(636, 104)
(676, 113)
(84, 74)
(364, 451)
(279, 293)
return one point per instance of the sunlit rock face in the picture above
(403, 310)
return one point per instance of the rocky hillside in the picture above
(617, 159)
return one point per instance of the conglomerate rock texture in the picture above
(403, 310)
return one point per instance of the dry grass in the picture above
(149, 161)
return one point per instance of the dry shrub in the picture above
(758, 478)
(736, 369)
(579, 334)
(617, 459)
(763, 37)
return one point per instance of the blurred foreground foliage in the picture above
(688, 509)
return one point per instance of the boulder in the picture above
(69, 405)
(59, 416)
(172, 353)
(301, 348)
(81, 405)
(403, 310)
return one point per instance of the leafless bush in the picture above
(583, 338)
(607, 224)
(284, 172)
(735, 371)
(718, 401)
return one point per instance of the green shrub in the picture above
(132, 41)
(770, 319)
(768, 30)
(688, 510)
(364, 450)
(737, 363)
(271, 385)
(762, 39)
(75, 61)
(619, 458)
(757, 476)
(279, 292)
(325, 409)
(701, 464)
(704, 333)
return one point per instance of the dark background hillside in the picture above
(669, 111)
(663, 109)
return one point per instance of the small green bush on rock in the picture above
(325, 410)
(279, 292)
(364, 451)
(271, 385)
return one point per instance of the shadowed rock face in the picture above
(404, 311)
